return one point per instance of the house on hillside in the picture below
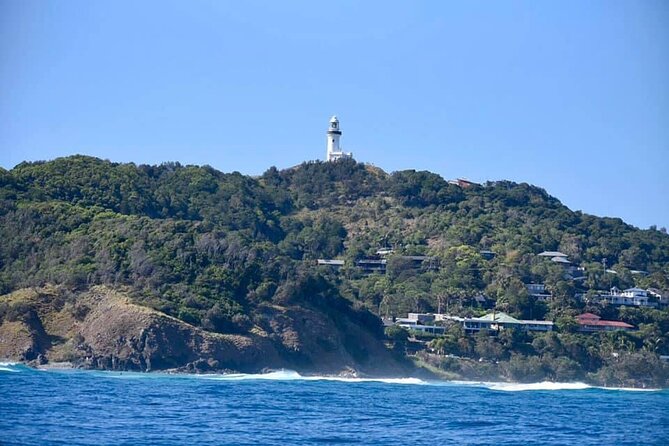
(538, 291)
(370, 266)
(379, 265)
(662, 297)
(463, 183)
(497, 321)
(556, 257)
(553, 254)
(560, 260)
(636, 297)
(590, 323)
(500, 320)
(422, 322)
(336, 264)
(572, 271)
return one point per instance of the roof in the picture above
(448, 317)
(601, 323)
(330, 262)
(371, 262)
(559, 259)
(593, 319)
(499, 317)
(503, 318)
(534, 322)
(635, 290)
(466, 181)
(552, 254)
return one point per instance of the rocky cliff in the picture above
(101, 328)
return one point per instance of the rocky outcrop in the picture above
(117, 334)
(312, 342)
(102, 329)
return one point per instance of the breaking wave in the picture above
(290, 375)
(544, 386)
(8, 367)
(628, 389)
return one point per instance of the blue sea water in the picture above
(71, 407)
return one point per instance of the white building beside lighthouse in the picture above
(334, 152)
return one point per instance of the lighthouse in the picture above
(334, 152)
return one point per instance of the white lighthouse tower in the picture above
(334, 152)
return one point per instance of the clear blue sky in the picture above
(570, 96)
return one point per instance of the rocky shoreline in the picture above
(423, 376)
(102, 329)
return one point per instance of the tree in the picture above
(397, 333)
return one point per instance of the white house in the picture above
(497, 321)
(423, 322)
(637, 297)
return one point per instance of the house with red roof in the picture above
(589, 323)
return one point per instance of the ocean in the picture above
(73, 407)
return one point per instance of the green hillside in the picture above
(211, 248)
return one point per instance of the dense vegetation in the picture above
(209, 247)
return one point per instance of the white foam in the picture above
(7, 366)
(628, 389)
(290, 375)
(545, 385)
(128, 375)
(413, 381)
(279, 375)
(520, 387)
